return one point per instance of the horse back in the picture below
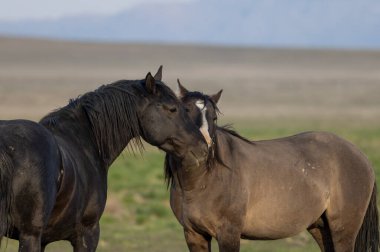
(320, 161)
(322, 152)
(336, 155)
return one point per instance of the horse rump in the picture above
(6, 172)
(367, 239)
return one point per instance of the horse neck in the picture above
(73, 129)
(107, 130)
(186, 176)
(116, 124)
(190, 177)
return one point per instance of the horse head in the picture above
(202, 109)
(165, 123)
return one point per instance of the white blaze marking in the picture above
(204, 128)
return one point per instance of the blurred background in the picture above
(285, 67)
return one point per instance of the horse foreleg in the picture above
(229, 239)
(87, 239)
(197, 242)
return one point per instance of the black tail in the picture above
(6, 171)
(368, 236)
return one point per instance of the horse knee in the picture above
(197, 242)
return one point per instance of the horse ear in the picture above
(158, 75)
(216, 96)
(182, 91)
(150, 83)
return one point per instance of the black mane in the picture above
(230, 130)
(111, 112)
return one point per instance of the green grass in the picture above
(139, 218)
(150, 224)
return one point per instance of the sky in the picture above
(41, 9)
(283, 23)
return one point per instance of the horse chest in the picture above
(197, 211)
(199, 219)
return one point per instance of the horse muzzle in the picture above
(196, 152)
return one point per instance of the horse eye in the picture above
(187, 110)
(173, 110)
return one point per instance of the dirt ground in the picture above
(37, 76)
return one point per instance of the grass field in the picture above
(267, 94)
(138, 216)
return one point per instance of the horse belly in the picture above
(283, 215)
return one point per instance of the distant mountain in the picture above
(322, 23)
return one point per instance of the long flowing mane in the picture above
(231, 131)
(111, 112)
(214, 155)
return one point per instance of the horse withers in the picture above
(53, 174)
(266, 190)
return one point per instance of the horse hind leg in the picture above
(321, 234)
(31, 210)
(344, 230)
(345, 218)
(31, 223)
(368, 236)
(30, 241)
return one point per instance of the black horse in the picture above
(264, 190)
(53, 174)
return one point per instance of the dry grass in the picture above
(38, 76)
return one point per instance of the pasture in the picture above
(268, 93)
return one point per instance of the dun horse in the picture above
(53, 174)
(264, 190)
